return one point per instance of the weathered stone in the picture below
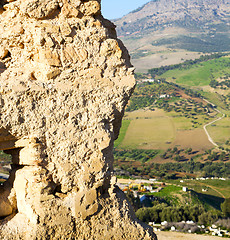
(82, 54)
(3, 52)
(53, 73)
(65, 29)
(39, 8)
(50, 57)
(69, 11)
(5, 206)
(66, 81)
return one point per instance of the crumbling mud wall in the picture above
(65, 79)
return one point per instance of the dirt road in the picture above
(184, 236)
(205, 126)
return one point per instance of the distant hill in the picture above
(169, 27)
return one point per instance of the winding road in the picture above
(205, 126)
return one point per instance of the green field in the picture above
(211, 192)
(168, 190)
(124, 127)
(169, 120)
(145, 129)
(199, 74)
(143, 132)
(220, 131)
(180, 122)
(215, 187)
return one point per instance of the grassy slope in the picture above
(215, 191)
(195, 76)
(211, 199)
(216, 187)
(220, 131)
(199, 74)
(160, 130)
(216, 99)
(124, 127)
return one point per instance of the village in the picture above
(148, 192)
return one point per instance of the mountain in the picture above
(175, 30)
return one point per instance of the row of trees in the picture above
(162, 212)
(148, 94)
(179, 155)
(169, 170)
(135, 154)
(223, 84)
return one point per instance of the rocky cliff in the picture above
(65, 79)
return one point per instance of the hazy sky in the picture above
(117, 8)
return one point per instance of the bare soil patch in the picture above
(195, 138)
(178, 236)
(162, 59)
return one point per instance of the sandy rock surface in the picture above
(65, 79)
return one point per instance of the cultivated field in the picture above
(158, 130)
(148, 130)
(125, 125)
(162, 58)
(195, 138)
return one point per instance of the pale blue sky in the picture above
(117, 8)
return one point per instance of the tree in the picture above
(135, 201)
(222, 156)
(175, 150)
(225, 207)
(143, 214)
(189, 150)
(207, 218)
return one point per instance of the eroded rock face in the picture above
(64, 82)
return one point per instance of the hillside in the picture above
(167, 32)
(171, 120)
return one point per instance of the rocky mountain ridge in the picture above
(162, 26)
(175, 12)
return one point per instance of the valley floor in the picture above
(178, 236)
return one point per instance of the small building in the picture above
(164, 96)
(148, 80)
(173, 228)
(149, 188)
(146, 200)
(184, 189)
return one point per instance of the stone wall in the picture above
(65, 79)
